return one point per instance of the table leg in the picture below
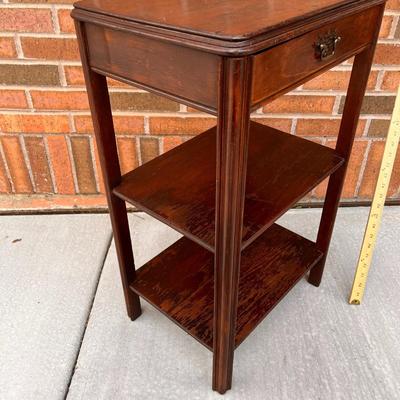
(351, 114)
(232, 145)
(107, 148)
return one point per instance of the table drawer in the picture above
(285, 66)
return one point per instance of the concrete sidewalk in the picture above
(64, 332)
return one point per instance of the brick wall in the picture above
(47, 150)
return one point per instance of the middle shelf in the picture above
(178, 187)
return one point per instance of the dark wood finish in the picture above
(224, 57)
(105, 137)
(189, 76)
(231, 169)
(270, 267)
(227, 27)
(184, 73)
(220, 19)
(351, 113)
(178, 187)
(282, 62)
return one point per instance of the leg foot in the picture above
(134, 309)
(316, 273)
(222, 386)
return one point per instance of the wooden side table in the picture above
(224, 189)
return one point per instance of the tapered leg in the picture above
(232, 144)
(105, 137)
(351, 114)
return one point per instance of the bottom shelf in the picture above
(179, 281)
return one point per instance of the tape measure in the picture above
(378, 202)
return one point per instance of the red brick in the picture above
(39, 164)
(386, 26)
(393, 5)
(330, 80)
(353, 171)
(33, 123)
(25, 20)
(114, 83)
(127, 154)
(139, 101)
(379, 127)
(194, 110)
(126, 125)
(373, 104)
(391, 80)
(83, 124)
(323, 127)
(7, 48)
(129, 125)
(185, 126)
(29, 75)
(372, 168)
(83, 165)
(61, 163)
(336, 80)
(44, 1)
(282, 124)
(74, 75)
(388, 54)
(170, 142)
(13, 99)
(16, 165)
(50, 48)
(65, 21)
(5, 186)
(148, 149)
(317, 127)
(301, 104)
(59, 100)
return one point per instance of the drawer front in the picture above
(284, 67)
(181, 72)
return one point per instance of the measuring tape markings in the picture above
(378, 202)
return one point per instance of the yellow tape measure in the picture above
(378, 202)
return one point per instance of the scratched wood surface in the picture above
(233, 19)
(180, 281)
(179, 187)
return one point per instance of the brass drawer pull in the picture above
(326, 45)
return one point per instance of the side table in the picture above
(224, 189)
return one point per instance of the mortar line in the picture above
(94, 164)
(362, 169)
(8, 172)
(25, 154)
(50, 163)
(72, 161)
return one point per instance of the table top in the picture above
(232, 20)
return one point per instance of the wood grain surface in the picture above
(232, 19)
(179, 187)
(290, 63)
(182, 72)
(179, 281)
